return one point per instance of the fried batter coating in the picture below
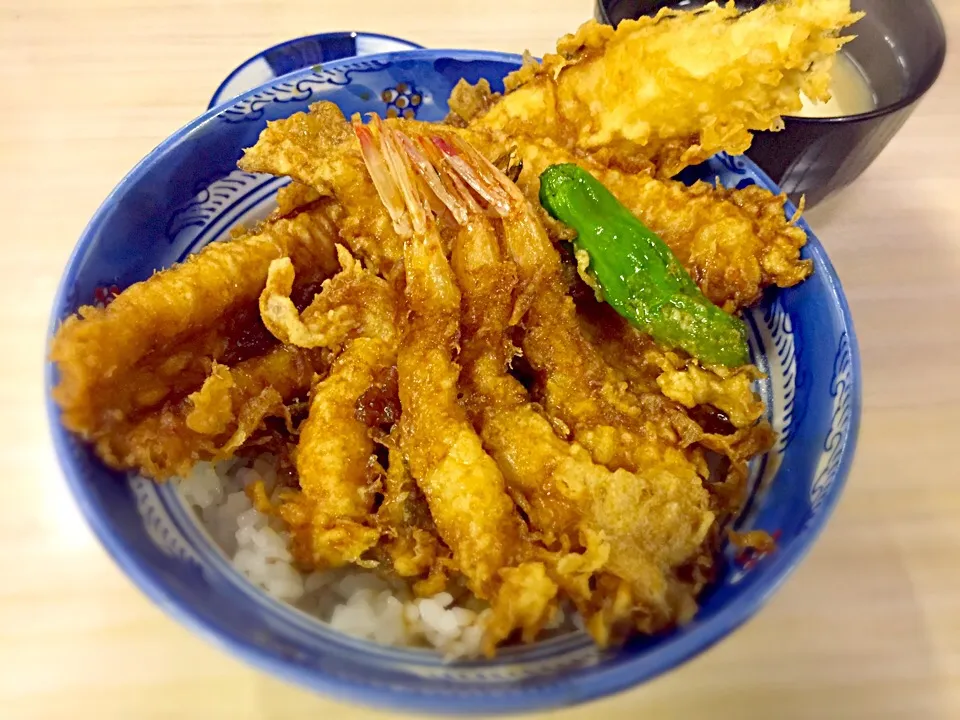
(719, 450)
(118, 360)
(649, 368)
(318, 149)
(215, 420)
(731, 393)
(631, 353)
(677, 88)
(330, 518)
(283, 320)
(464, 487)
(404, 517)
(292, 197)
(713, 407)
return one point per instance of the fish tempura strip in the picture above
(170, 375)
(331, 519)
(462, 484)
(632, 354)
(97, 348)
(319, 149)
(679, 87)
(214, 421)
(734, 243)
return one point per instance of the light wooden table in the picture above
(869, 627)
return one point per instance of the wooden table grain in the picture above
(869, 627)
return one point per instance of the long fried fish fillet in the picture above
(678, 87)
(117, 360)
(735, 243)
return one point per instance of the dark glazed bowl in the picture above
(901, 46)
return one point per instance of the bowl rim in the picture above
(925, 84)
(617, 677)
(293, 41)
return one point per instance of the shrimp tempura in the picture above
(331, 517)
(566, 495)
(463, 485)
(678, 87)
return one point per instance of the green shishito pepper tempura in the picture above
(637, 273)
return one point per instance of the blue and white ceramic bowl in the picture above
(188, 192)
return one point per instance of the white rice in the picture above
(354, 601)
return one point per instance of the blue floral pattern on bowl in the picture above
(300, 53)
(402, 100)
(801, 338)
